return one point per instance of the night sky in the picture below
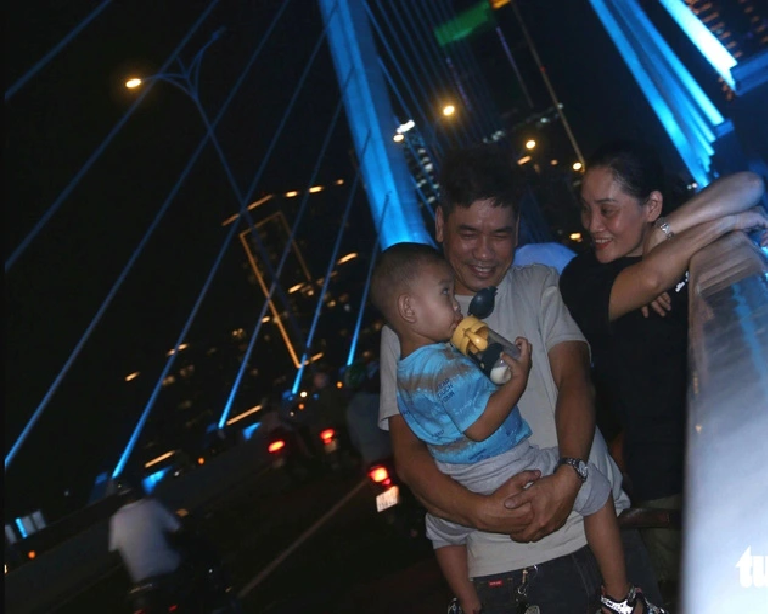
(57, 120)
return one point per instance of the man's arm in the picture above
(445, 497)
(552, 497)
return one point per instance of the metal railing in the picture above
(725, 520)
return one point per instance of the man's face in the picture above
(479, 242)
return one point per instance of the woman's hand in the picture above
(661, 305)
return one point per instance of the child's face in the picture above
(437, 312)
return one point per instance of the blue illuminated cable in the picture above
(244, 201)
(331, 263)
(471, 68)
(172, 358)
(426, 119)
(436, 69)
(100, 149)
(396, 91)
(283, 258)
(54, 51)
(134, 256)
(423, 75)
(430, 155)
(486, 122)
(366, 288)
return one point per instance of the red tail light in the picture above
(276, 446)
(327, 435)
(379, 474)
(173, 608)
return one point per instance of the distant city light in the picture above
(575, 236)
(291, 194)
(449, 110)
(524, 160)
(132, 376)
(530, 144)
(316, 188)
(577, 166)
(553, 162)
(398, 138)
(347, 258)
(402, 128)
(339, 182)
(133, 83)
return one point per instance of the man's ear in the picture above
(405, 308)
(653, 206)
(439, 224)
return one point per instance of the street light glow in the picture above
(398, 138)
(577, 166)
(449, 110)
(530, 144)
(133, 83)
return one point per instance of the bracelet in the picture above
(663, 225)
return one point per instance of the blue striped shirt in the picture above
(441, 393)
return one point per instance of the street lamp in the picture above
(133, 83)
(577, 166)
(449, 110)
(530, 144)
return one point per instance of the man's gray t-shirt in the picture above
(528, 304)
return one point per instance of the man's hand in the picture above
(494, 516)
(547, 503)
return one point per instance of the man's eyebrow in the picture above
(467, 227)
(606, 200)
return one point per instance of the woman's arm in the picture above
(726, 196)
(663, 265)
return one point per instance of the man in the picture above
(549, 566)
(138, 531)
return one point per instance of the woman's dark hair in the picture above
(635, 165)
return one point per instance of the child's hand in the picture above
(520, 367)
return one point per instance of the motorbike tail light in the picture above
(379, 474)
(276, 446)
(327, 435)
(173, 608)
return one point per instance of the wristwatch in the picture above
(579, 466)
(663, 224)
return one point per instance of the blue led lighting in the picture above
(684, 110)
(21, 528)
(711, 48)
(151, 481)
(369, 113)
(248, 430)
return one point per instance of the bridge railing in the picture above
(725, 530)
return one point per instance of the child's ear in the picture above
(405, 308)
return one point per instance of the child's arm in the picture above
(501, 402)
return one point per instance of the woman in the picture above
(640, 354)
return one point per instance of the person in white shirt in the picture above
(138, 531)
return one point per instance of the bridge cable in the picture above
(134, 256)
(54, 51)
(104, 144)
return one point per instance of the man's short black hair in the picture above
(478, 173)
(398, 266)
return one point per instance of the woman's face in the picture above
(616, 221)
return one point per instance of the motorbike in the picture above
(336, 451)
(394, 501)
(201, 585)
(204, 592)
(286, 457)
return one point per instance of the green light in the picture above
(464, 24)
